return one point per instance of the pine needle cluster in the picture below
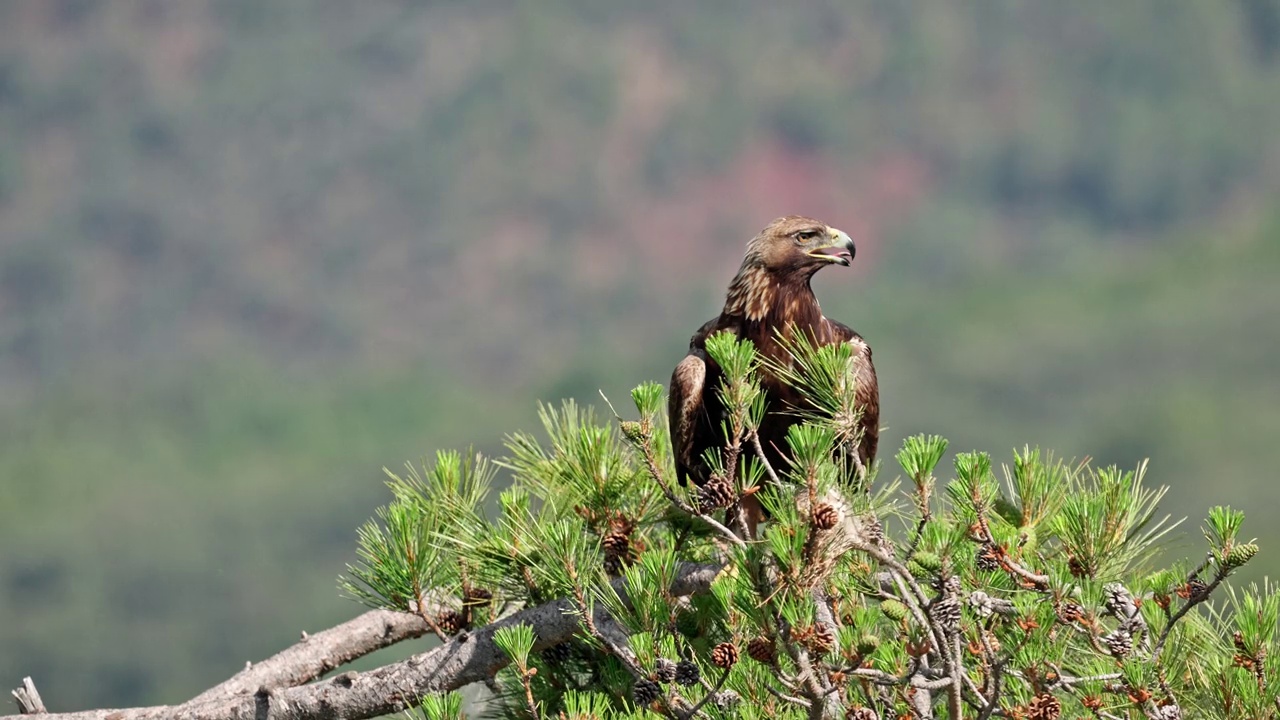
(1033, 590)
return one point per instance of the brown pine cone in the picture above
(724, 655)
(823, 640)
(761, 649)
(988, 559)
(615, 565)
(1044, 707)
(664, 670)
(617, 543)
(861, 713)
(717, 493)
(825, 516)
(1070, 612)
(1192, 589)
(450, 622)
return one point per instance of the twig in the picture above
(919, 534)
(787, 698)
(709, 694)
(879, 677)
(1009, 564)
(525, 675)
(589, 621)
(768, 467)
(1186, 607)
(1068, 681)
(994, 676)
(28, 698)
(960, 680)
(652, 465)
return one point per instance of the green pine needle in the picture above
(919, 456)
(516, 641)
(828, 376)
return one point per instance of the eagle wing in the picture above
(691, 403)
(867, 395)
(685, 410)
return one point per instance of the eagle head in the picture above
(796, 245)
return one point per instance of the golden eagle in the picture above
(770, 303)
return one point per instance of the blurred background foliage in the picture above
(250, 252)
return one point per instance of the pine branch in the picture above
(768, 467)
(316, 655)
(1191, 602)
(705, 698)
(651, 464)
(467, 658)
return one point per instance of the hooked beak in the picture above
(839, 250)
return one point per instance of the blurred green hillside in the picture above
(252, 252)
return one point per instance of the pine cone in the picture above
(1119, 643)
(726, 699)
(825, 516)
(929, 561)
(988, 558)
(1070, 612)
(664, 670)
(875, 531)
(645, 691)
(860, 713)
(1192, 590)
(1077, 567)
(981, 604)
(1240, 554)
(632, 430)
(946, 608)
(617, 543)
(724, 655)
(450, 622)
(947, 612)
(614, 565)
(1237, 639)
(478, 596)
(868, 643)
(893, 609)
(717, 493)
(687, 673)
(557, 654)
(823, 640)
(761, 649)
(1044, 707)
(1118, 601)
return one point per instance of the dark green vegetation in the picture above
(1031, 589)
(251, 252)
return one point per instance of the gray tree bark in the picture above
(280, 687)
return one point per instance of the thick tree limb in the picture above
(469, 657)
(317, 655)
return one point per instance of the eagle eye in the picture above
(805, 235)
